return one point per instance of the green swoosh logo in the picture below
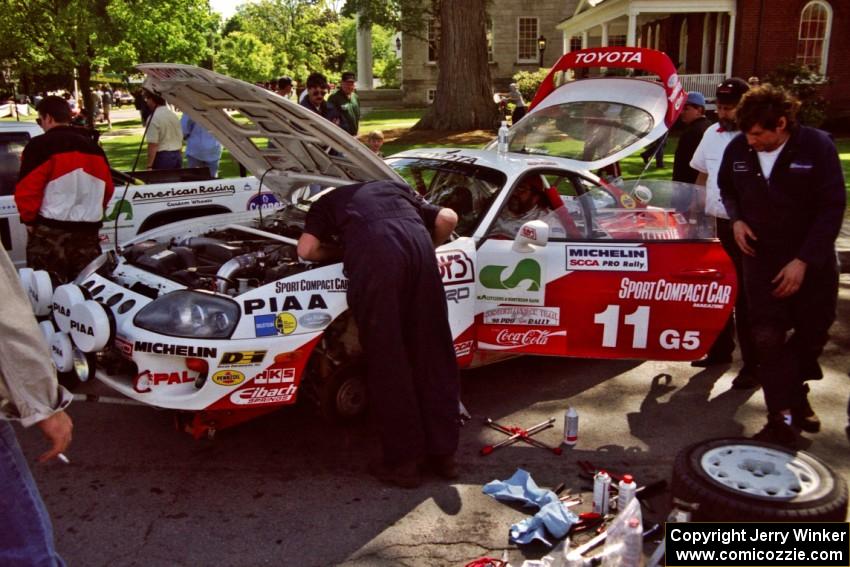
(526, 270)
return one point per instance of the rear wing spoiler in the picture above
(648, 60)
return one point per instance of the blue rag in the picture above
(552, 515)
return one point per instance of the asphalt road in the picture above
(289, 490)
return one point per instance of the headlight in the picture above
(190, 314)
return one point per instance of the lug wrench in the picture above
(514, 435)
(518, 434)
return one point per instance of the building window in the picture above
(616, 40)
(431, 95)
(433, 39)
(575, 43)
(527, 40)
(813, 39)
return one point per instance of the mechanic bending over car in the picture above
(386, 234)
(29, 393)
(63, 186)
(783, 188)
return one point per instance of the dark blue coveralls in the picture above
(396, 295)
(796, 214)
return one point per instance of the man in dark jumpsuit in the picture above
(396, 296)
(783, 188)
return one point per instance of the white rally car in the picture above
(142, 200)
(219, 318)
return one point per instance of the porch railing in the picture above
(706, 83)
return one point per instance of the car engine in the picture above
(230, 260)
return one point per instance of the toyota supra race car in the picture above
(219, 318)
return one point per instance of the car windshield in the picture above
(585, 131)
(468, 189)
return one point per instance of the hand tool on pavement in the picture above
(519, 434)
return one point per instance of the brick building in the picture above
(712, 39)
(708, 39)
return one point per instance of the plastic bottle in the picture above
(570, 426)
(503, 138)
(601, 486)
(632, 543)
(626, 491)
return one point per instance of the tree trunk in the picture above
(84, 71)
(464, 98)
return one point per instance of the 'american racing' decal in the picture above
(518, 315)
(608, 258)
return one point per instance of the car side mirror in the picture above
(531, 234)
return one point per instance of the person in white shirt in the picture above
(164, 134)
(706, 161)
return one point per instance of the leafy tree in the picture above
(303, 34)
(805, 84)
(464, 99)
(245, 57)
(56, 36)
(385, 63)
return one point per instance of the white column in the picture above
(718, 35)
(565, 42)
(584, 39)
(730, 44)
(631, 34)
(604, 34)
(364, 57)
(703, 65)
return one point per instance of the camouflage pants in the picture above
(62, 253)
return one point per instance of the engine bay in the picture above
(231, 260)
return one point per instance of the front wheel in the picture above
(339, 393)
(752, 481)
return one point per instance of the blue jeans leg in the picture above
(26, 534)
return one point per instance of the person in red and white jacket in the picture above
(63, 186)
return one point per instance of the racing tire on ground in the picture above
(737, 479)
(340, 396)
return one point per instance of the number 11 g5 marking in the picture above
(670, 339)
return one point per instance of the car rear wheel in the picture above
(747, 480)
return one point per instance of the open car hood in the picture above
(302, 147)
(599, 121)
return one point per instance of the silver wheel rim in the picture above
(760, 471)
(351, 397)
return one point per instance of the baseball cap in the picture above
(696, 98)
(731, 90)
